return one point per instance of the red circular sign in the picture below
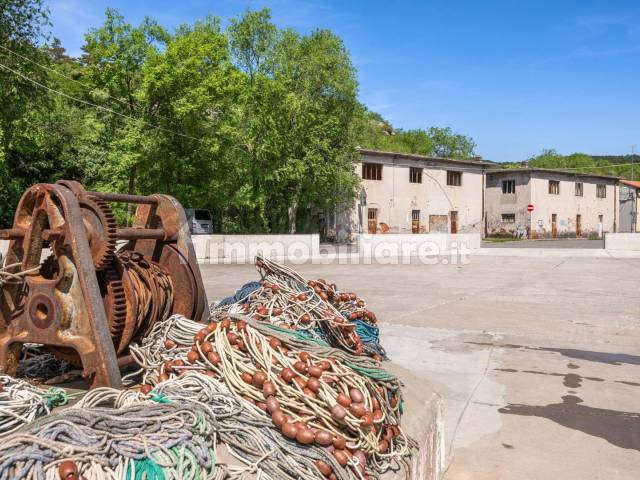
(529, 208)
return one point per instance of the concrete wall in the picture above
(376, 245)
(532, 187)
(243, 248)
(498, 204)
(622, 241)
(395, 196)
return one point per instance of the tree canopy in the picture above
(377, 133)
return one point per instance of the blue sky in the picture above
(517, 76)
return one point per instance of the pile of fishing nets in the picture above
(314, 308)
(280, 394)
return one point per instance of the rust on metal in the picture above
(87, 301)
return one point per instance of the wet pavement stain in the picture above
(510, 370)
(571, 380)
(538, 372)
(621, 429)
(599, 357)
(633, 384)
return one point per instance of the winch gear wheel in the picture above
(100, 224)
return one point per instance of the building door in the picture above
(578, 225)
(438, 223)
(415, 221)
(372, 220)
(454, 221)
(554, 225)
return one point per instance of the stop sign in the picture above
(529, 208)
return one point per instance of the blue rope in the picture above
(370, 336)
(241, 295)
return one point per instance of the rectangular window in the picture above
(415, 175)
(554, 187)
(508, 186)
(508, 218)
(454, 178)
(372, 171)
(579, 189)
(601, 191)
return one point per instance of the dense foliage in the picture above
(254, 122)
(377, 133)
(627, 166)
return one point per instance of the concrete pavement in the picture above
(537, 359)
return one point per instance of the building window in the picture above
(578, 189)
(372, 171)
(415, 175)
(601, 191)
(454, 178)
(508, 218)
(508, 186)
(554, 187)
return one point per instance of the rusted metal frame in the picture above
(66, 311)
(124, 198)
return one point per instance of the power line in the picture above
(60, 74)
(99, 107)
(573, 168)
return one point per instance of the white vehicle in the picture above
(200, 220)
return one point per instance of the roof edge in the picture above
(415, 156)
(551, 170)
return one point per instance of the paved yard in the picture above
(537, 359)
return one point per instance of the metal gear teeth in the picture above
(110, 233)
(118, 314)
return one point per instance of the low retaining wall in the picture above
(244, 248)
(375, 245)
(622, 241)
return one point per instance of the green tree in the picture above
(23, 25)
(297, 121)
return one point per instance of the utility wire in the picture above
(565, 168)
(60, 74)
(99, 107)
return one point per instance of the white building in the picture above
(564, 204)
(406, 193)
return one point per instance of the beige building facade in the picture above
(564, 204)
(405, 193)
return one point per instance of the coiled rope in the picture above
(332, 397)
(170, 433)
(21, 403)
(314, 309)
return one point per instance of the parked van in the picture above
(200, 220)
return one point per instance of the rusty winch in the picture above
(102, 287)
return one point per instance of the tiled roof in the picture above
(631, 183)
